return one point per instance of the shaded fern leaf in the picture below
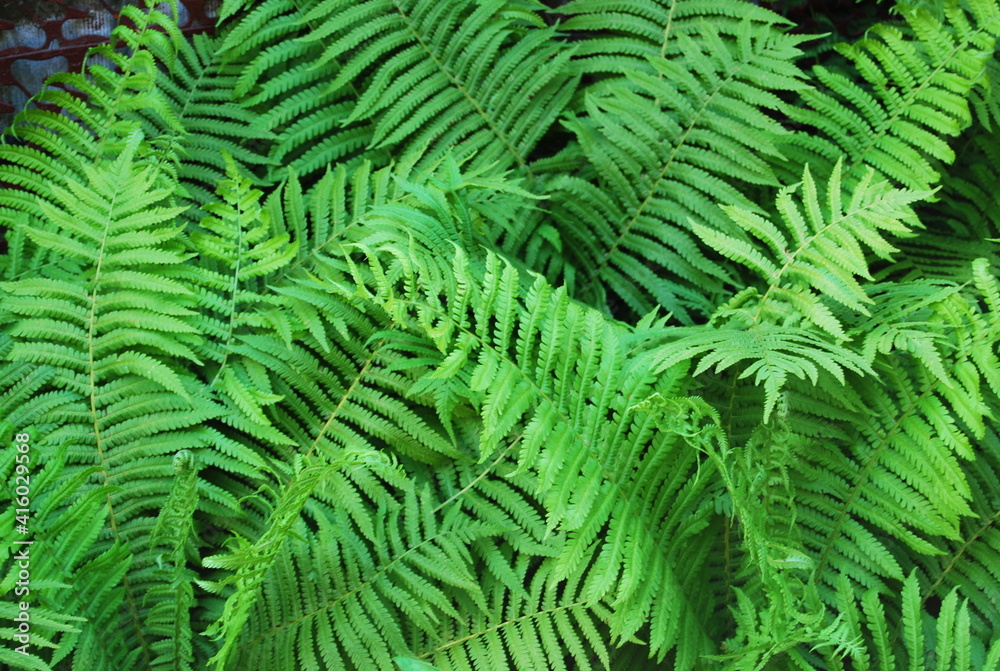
(960, 224)
(62, 536)
(281, 79)
(249, 562)
(944, 641)
(623, 37)
(658, 148)
(481, 78)
(208, 125)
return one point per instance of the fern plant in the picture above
(493, 334)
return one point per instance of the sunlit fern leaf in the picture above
(813, 257)
(121, 340)
(238, 254)
(911, 96)
(531, 365)
(963, 219)
(821, 248)
(772, 352)
(116, 226)
(900, 474)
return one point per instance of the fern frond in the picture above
(282, 80)
(623, 37)
(119, 337)
(173, 591)
(42, 148)
(925, 641)
(812, 258)
(660, 147)
(349, 597)
(912, 95)
(250, 562)
(197, 88)
(529, 367)
(498, 81)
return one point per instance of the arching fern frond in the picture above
(479, 78)
(624, 36)
(912, 95)
(282, 80)
(530, 367)
(659, 152)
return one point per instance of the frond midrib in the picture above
(653, 185)
(95, 417)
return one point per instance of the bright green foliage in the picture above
(410, 334)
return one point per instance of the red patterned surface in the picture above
(51, 17)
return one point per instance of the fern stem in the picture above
(497, 627)
(91, 337)
(486, 471)
(958, 555)
(343, 399)
(666, 36)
